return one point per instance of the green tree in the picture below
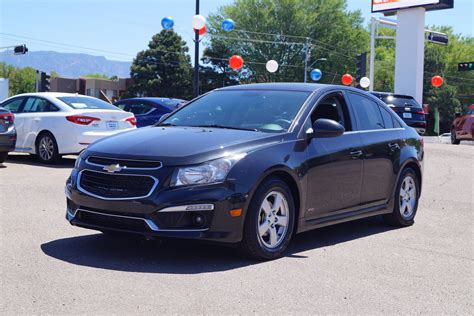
(336, 34)
(20, 80)
(96, 76)
(164, 69)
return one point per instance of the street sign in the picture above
(466, 66)
(437, 38)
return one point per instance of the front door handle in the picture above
(37, 119)
(355, 154)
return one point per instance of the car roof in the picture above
(152, 99)
(49, 94)
(285, 86)
(382, 94)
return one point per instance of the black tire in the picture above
(407, 219)
(3, 157)
(252, 244)
(47, 143)
(454, 140)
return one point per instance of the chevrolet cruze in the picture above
(252, 165)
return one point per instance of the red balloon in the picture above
(347, 79)
(201, 31)
(236, 62)
(437, 81)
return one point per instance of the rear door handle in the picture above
(393, 146)
(355, 154)
(37, 119)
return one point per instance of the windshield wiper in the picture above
(227, 127)
(165, 124)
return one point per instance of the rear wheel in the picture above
(405, 200)
(47, 149)
(269, 221)
(454, 140)
(3, 157)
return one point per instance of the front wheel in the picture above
(269, 221)
(454, 140)
(405, 200)
(47, 149)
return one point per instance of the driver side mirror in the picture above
(324, 128)
(164, 117)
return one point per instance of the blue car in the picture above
(148, 111)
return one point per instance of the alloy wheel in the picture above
(273, 220)
(408, 197)
(46, 148)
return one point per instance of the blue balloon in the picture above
(316, 74)
(228, 25)
(167, 23)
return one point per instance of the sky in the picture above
(118, 29)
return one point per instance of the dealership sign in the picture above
(387, 6)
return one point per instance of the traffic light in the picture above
(45, 83)
(20, 50)
(361, 63)
(466, 66)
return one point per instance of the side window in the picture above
(13, 105)
(140, 108)
(332, 107)
(367, 113)
(387, 118)
(38, 105)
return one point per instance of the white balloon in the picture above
(272, 65)
(198, 22)
(364, 82)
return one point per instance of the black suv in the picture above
(407, 108)
(7, 133)
(253, 165)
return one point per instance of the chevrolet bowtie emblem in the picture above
(113, 168)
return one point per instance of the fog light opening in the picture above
(198, 220)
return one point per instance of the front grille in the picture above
(116, 186)
(125, 163)
(113, 222)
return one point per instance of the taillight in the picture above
(420, 112)
(422, 142)
(132, 120)
(81, 119)
(7, 117)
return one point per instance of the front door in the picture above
(334, 165)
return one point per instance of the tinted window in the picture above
(387, 118)
(140, 108)
(264, 110)
(13, 105)
(80, 103)
(35, 105)
(122, 106)
(391, 100)
(367, 113)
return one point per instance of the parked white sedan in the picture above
(53, 124)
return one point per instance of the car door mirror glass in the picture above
(325, 128)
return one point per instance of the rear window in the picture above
(82, 103)
(171, 104)
(392, 101)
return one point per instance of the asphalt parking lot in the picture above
(48, 266)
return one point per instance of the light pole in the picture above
(306, 67)
(196, 58)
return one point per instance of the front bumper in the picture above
(161, 214)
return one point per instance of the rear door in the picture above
(381, 148)
(15, 106)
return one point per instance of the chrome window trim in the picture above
(149, 222)
(376, 130)
(127, 168)
(79, 176)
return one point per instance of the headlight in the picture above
(79, 159)
(214, 171)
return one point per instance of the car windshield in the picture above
(82, 103)
(257, 110)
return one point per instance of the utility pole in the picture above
(372, 53)
(307, 52)
(196, 58)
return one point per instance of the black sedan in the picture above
(7, 133)
(252, 165)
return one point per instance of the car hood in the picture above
(176, 146)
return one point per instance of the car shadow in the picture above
(66, 162)
(188, 256)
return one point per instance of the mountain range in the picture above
(69, 65)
